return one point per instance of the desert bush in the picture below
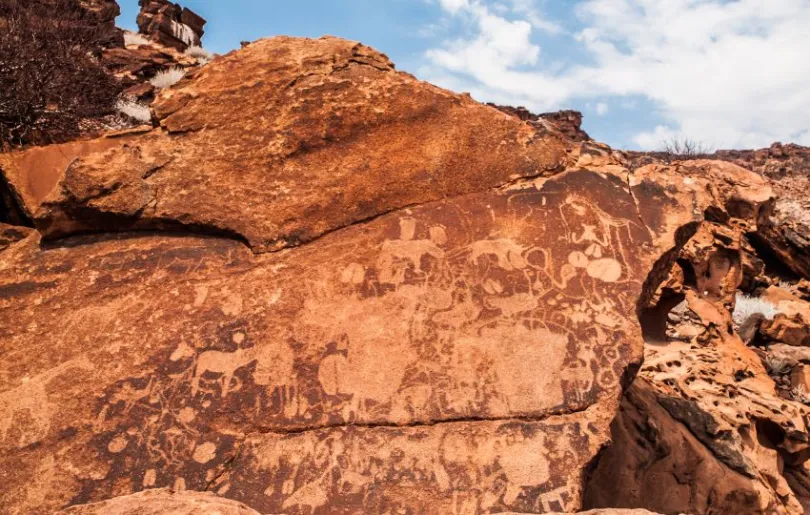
(50, 77)
(746, 306)
(685, 148)
(167, 78)
(134, 110)
(133, 38)
(202, 55)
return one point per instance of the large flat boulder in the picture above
(467, 351)
(163, 501)
(320, 286)
(286, 140)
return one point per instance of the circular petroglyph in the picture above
(606, 269)
(117, 444)
(354, 273)
(187, 415)
(438, 235)
(205, 452)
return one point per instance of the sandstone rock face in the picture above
(704, 429)
(105, 12)
(791, 325)
(170, 24)
(135, 64)
(326, 134)
(567, 122)
(163, 501)
(785, 232)
(657, 461)
(319, 285)
(454, 336)
(420, 352)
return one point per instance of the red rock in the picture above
(702, 428)
(791, 325)
(785, 231)
(170, 24)
(353, 291)
(327, 136)
(258, 357)
(656, 461)
(800, 379)
(461, 317)
(163, 502)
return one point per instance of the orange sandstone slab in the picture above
(470, 349)
(281, 142)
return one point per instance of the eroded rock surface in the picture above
(170, 24)
(320, 285)
(316, 135)
(468, 352)
(704, 428)
(163, 501)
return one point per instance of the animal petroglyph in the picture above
(403, 330)
(471, 467)
(27, 408)
(274, 366)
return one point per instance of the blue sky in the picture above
(729, 73)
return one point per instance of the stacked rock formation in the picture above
(135, 64)
(170, 24)
(105, 12)
(319, 285)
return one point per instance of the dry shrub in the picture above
(50, 77)
(685, 149)
(202, 55)
(168, 78)
(135, 39)
(134, 109)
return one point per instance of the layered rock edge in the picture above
(422, 303)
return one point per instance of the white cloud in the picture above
(533, 14)
(498, 46)
(730, 74)
(453, 6)
(602, 109)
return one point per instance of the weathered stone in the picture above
(325, 134)
(703, 408)
(163, 501)
(657, 462)
(466, 305)
(800, 378)
(170, 24)
(419, 352)
(12, 233)
(566, 122)
(789, 354)
(35, 173)
(791, 325)
(104, 13)
(785, 231)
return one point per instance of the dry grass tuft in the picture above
(133, 39)
(168, 78)
(134, 110)
(747, 306)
